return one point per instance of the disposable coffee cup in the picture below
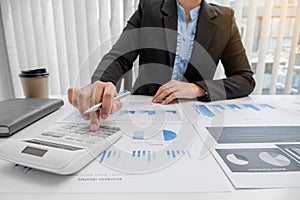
(35, 83)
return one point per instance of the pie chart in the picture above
(169, 135)
(237, 159)
(274, 159)
(166, 135)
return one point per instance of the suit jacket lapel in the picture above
(169, 10)
(206, 26)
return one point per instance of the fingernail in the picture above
(104, 116)
(114, 107)
(94, 127)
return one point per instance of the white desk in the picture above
(274, 194)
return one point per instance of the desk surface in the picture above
(274, 194)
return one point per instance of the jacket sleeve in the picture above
(239, 81)
(120, 58)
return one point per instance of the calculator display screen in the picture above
(34, 151)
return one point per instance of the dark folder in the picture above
(16, 114)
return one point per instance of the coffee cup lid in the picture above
(34, 73)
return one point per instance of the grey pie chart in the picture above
(274, 159)
(237, 159)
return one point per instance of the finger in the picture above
(107, 101)
(117, 105)
(83, 100)
(163, 93)
(170, 98)
(95, 120)
(96, 98)
(72, 96)
(171, 85)
(160, 91)
(97, 92)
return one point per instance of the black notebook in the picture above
(16, 114)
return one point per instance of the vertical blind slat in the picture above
(136, 3)
(19, 33)
(82, 41)
(71, 42)
(61, 43)
(263, 45)
(11, 46)
(292, 56)
(93, 34)
(104, 26)
(27, 23)
(238, 8)
(6, 88)
(277, 56)
(128, 10)
(51, 48)
(38, 28)
(116, 22)
(226, 3)
(251, 19)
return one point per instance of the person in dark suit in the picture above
(179, 44)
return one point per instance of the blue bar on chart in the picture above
(177, 153)
(266, 106)
(102, 156)
(109, 155)
(143, 154)
(138, 154)
(126, 112)
(173, 154)
(251, 106)
(217, 106)
(149, 112)
(149, 156)
(202, 109)
(233, 107)
(138, 135)
(171, 111)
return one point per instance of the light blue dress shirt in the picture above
(185, 41)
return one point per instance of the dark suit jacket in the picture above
(151, 35)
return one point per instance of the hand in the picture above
(93, 94)
(177, 89)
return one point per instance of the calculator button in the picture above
(46, 134)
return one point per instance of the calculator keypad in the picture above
(80, 132)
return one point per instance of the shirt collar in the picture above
(181, 12)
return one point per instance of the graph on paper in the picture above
(142, 150)
(147, 156)
(211, 110)
(148, 115)
(243, 113)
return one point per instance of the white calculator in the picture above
(64, 148)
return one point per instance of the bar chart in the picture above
(143, 155)
(212, 110)
(148, 115)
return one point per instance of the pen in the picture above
(117, 97)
